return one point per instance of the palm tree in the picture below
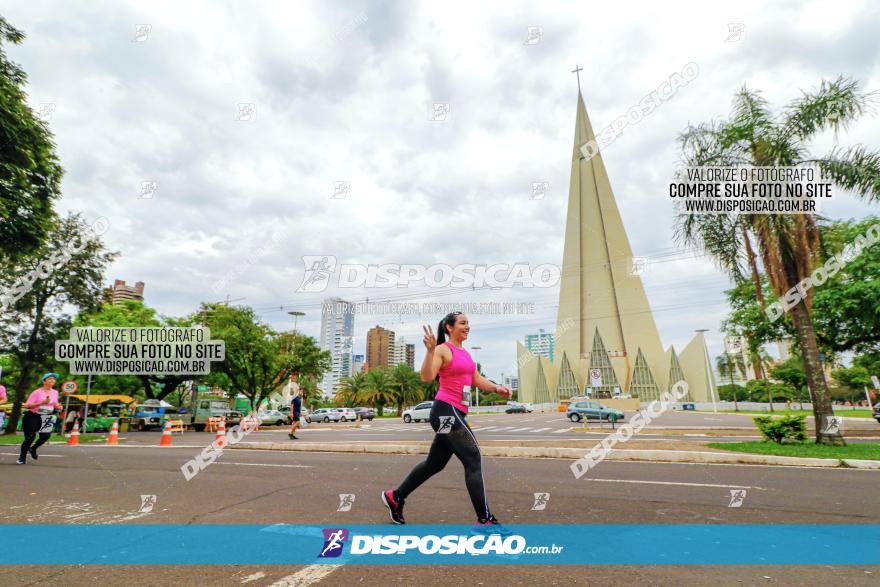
(351, 390)
(379, 389)
(788, 245)
(406, 384)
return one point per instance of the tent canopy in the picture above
(100, 399)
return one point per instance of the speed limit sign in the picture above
(68, 387)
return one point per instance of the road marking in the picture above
(521, 429)
(505, 428)
(264, 465)
(678, 483)
(540, 429)
(253, 577)
(560, 431)
(486, 429)
(306, 576)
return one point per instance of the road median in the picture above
(556, 452)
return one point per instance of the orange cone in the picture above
(74, 435)
(166, 434)
(220, 439)
(114, 433)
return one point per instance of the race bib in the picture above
(46, 410)
(48, 423)
(465, 396)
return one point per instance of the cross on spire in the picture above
(577, 71)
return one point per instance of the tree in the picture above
(258, 359)
(379, 391)
(846, 309)
(406, 384)
(30, 174)
(789, 245)
(29, 328)
(351, 390)
(855, 379)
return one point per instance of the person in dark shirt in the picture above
(295, 409)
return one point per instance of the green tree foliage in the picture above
(258, 359)
(788, 245)
(30, 174)
(29, 328)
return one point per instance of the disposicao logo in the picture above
(334, 541)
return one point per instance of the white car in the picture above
(418, 413)
(347, 414)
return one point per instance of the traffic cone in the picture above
(166, 434)
(73, 440)
(114, 433)
(220, 440)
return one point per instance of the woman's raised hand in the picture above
(430, 340)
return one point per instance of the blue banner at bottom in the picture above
(552, 544)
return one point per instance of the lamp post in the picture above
(296, 314)
(477, 389)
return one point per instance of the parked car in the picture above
(518, 409)
(347, 414)
(418, 413)
(365, 413)
(877, 411)
(580, 410)
(272, 418)
(324, 415)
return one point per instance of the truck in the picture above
(148, 416)
(206, 407)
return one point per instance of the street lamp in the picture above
(296, 315)
(477, 389)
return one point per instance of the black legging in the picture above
(456, 438)
(30, 426)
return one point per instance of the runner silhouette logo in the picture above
(334, 541)
(445, 424)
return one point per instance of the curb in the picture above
(659, 456)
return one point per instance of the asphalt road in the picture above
(99, 484)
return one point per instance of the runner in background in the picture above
(3, 400)
(40, 417)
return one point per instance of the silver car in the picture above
(325, 415)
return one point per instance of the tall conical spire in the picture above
(598, 288)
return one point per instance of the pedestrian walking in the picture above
(295, 407)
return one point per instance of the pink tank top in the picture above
(454, 376)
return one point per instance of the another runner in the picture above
(457, 372)
(39, 417)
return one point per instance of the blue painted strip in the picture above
(599, 544)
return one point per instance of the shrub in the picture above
(785, 428)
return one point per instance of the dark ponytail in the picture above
(448, 320)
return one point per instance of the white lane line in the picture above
(486, 429)
(540, 429)
(521, 429)
(253, 577)
(505, 428)
(306, 576)
(560, 431)
(678, 483)
(264, 465)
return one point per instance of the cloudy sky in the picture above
(147, 97)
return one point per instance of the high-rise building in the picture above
(357, 363)
(606, 342)
(403, 353)
(380, 347)
(122, 291)
(540, 344)
(337, 336)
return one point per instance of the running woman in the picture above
(39, 417)
(457, 371)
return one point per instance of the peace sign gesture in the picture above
(430, 340)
